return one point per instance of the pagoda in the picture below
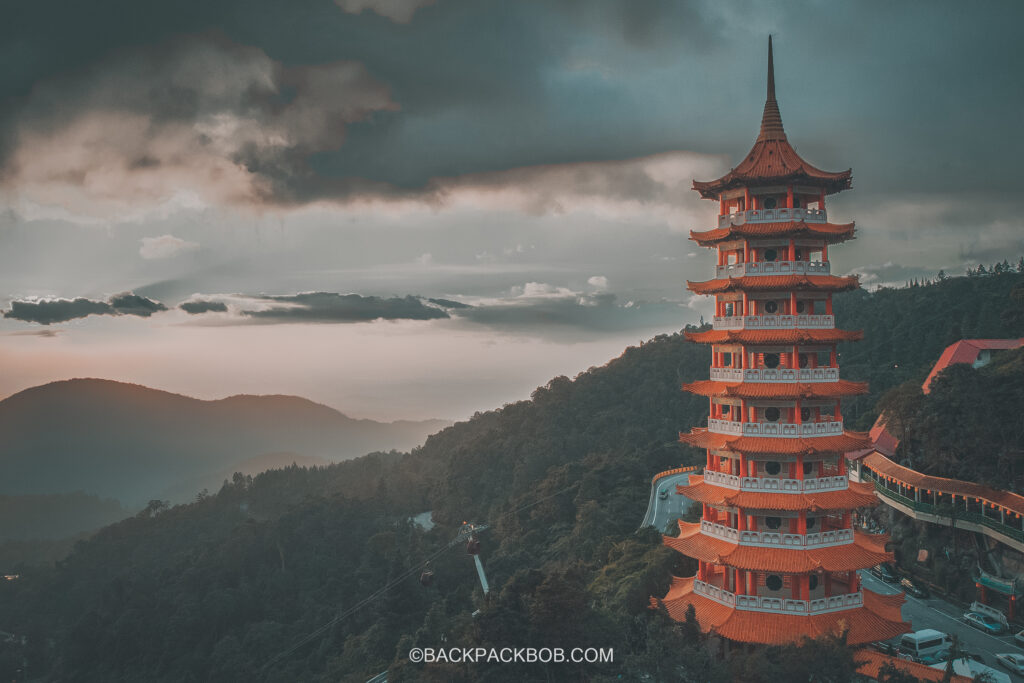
(777, 555)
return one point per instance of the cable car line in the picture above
(467, 530)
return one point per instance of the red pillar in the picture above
(789, 198)
(792, 243)
(828, 305)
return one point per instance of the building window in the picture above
(773, 522)
(770, 254)
(773, 582)
(772, 414)
(812, 582)
(772, 467)
(771, 360)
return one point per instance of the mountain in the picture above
(279, 577)
(132, 443)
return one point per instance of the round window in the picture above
(773, 582)
(771, 414)
(771, 360)
(812, 582)
(770, 307)
(772, 467)
(773, 522)
(770, 254)
(811, 521)
(770, 203)
(805, 414)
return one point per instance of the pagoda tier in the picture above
(763, 283)
(751, 227)
(777, 553)
(840, 443)
(832, 336)
(832, 550)
(766, 498)
(864, 616)
(710, 388)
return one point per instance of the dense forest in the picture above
(277, 577)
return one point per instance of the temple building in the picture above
(777, 555)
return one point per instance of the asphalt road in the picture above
(922, 613)
(661, 512)
(940, 615)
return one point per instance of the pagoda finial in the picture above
(771, 121)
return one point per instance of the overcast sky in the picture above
(423, 208)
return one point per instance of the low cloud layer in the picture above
(165, 246)
(49, 311)
(329, 307)
(400, 11)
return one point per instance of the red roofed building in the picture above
(977, 352)
(776, 552)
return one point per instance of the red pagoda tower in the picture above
(776, 552)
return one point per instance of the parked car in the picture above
(886, 647)
(663, 494)
(1011, 661)
(983, 622)
(926, 643)
(915, 588)
(1019, 637)
(886, 572)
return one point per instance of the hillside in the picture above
(133, 443)
(240, 585)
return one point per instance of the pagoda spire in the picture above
(771, 120)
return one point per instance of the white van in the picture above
(922, 644)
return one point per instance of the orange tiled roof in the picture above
(870, 663)
(858, 495)
(864, 552)
(862, 624)
(709, 387)
(774, 336)
(754, 283)
(832, 233)
(701, 438)
(772, 160)
(1006, 499)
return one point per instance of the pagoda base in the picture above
(878, 619)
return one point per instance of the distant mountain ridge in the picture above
(131, 442)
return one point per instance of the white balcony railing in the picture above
(789, 430)
(763, 603)
(754, 268)
(776, 484)
(782, 375)
(777, 539)
(774, 322)
(772, 216)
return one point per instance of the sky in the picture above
(426, 208)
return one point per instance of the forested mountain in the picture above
(276, 577)
(133, 443)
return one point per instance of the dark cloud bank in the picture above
(49, 311)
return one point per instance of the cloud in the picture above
(598, 282)
(199, 119)
(199, 306)
(49, 311)
(540, 309)
(165, 246)
(399, 11)
(329, 307)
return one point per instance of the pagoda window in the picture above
(770, 254)
(771, 360)
(811, 523)
(773, 522)
(772, 467)
(773, 582)
(771, 307)
(808, 466)
(772, 414)
(727, 359)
